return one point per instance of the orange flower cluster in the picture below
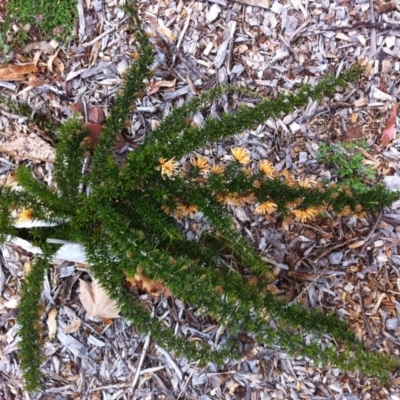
(169, 168)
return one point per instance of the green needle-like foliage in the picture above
(128, 220)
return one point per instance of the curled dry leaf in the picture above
(96, 301)
(389, 132)
(28, 147)
(55, 62)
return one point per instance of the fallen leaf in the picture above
(52, 323)
(156, 85)
(96, 115)
(167, 33)
(96, 301)
(94, 130)
(390, 129)
(28, 147)
(73, 326)
(76, 107)
(59, 65)
(37, 57)
(56, 62)
(17, 72)
(146, 284)
(74, 74)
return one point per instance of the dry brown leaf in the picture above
(28, 147)
(94, 130)
(156, 85)
(59, 65)
(56, 62)
(17, 72)
(146, 284)
(73, 326)
(96, 115)
(52, 323)
(96, 301)
(77, 107)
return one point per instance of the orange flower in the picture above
(305, 183)
(346, 211)
(235, 200)
(167, 167)
(288, 179)
(241, 155)
(185, 211)
(25, 215)
(217, 169)
(268, 168)
(202, 164)
(268, 207)
(304, 215)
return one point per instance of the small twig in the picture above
(366, 240)
(184, 29)
(187, 380)
(98, 38)
(299, 29)
(337, 246)
(356, 25)
(312, 227)
(173, 364)
(363, 312)
(144, 351)
(105, 338)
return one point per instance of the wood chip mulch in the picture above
(349, 265)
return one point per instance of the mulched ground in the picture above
(346, 264)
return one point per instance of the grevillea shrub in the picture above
(129, 219)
